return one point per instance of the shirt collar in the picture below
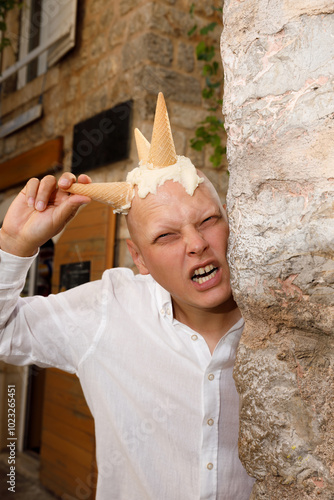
(164, 302)
(165, 307)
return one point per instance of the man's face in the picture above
(181, 241)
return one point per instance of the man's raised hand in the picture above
(39, 212)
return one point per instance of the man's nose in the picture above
(195, 242)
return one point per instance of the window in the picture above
(47, 33)
(34, 27)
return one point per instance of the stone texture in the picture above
(278, 104)
(149, 46)
(126, 5)
(172, 21)
(185, 116)
(186, 57)
(106, 15)
(174, 85)
(117, 33)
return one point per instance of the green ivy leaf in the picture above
(207, 70)
(205, 52)
(215, 67)
(197, 144)
(5, 42)
(207, 93)
(210, 119)
(212, 85)
(200, 48)
(208, 28)
(200, 131)
(192, 30)
(210, 130)
(217, 156)
(215, 160)
(6, 6)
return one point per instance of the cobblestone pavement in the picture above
(27, 485)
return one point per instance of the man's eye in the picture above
(209, 219)
(162, 236)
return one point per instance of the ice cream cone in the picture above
(116, 194)
(143, 146)
(162, 151)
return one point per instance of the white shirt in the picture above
(165, 409)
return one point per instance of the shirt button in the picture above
(210, 421)
(211, 376)
(168, 311)
(209, 466)
(194, 337)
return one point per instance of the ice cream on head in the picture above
(158, 163)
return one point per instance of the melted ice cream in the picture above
(148, 179)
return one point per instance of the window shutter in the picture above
(61, 18)
(57, 23)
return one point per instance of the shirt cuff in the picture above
(14, 267)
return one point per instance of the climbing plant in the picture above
(210, 131)
(6, 6)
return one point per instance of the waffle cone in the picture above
(143, 146)
(162, 151)
(116, 194)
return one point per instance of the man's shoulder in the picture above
(128, 291)
(124, 277)
(132, 290)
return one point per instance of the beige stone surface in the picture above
(279, 93)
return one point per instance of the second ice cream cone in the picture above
(116, 194)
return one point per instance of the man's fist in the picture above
(39, 212)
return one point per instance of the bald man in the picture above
(154, 352)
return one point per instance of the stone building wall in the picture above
(279, 107)
(125, 50)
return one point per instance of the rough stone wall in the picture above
(278, 59)
(125, 50)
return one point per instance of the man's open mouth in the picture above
(203, 274)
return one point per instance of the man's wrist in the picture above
(12, 246)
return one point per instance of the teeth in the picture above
(203, 270)
(203, 279)
(199, 271)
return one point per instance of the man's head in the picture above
(181, 240)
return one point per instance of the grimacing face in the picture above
(181, 240)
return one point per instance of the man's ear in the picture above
(137, 257)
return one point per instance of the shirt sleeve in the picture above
(54, 331)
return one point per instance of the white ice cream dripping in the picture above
(158, 162)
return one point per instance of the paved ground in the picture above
(27, 485)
